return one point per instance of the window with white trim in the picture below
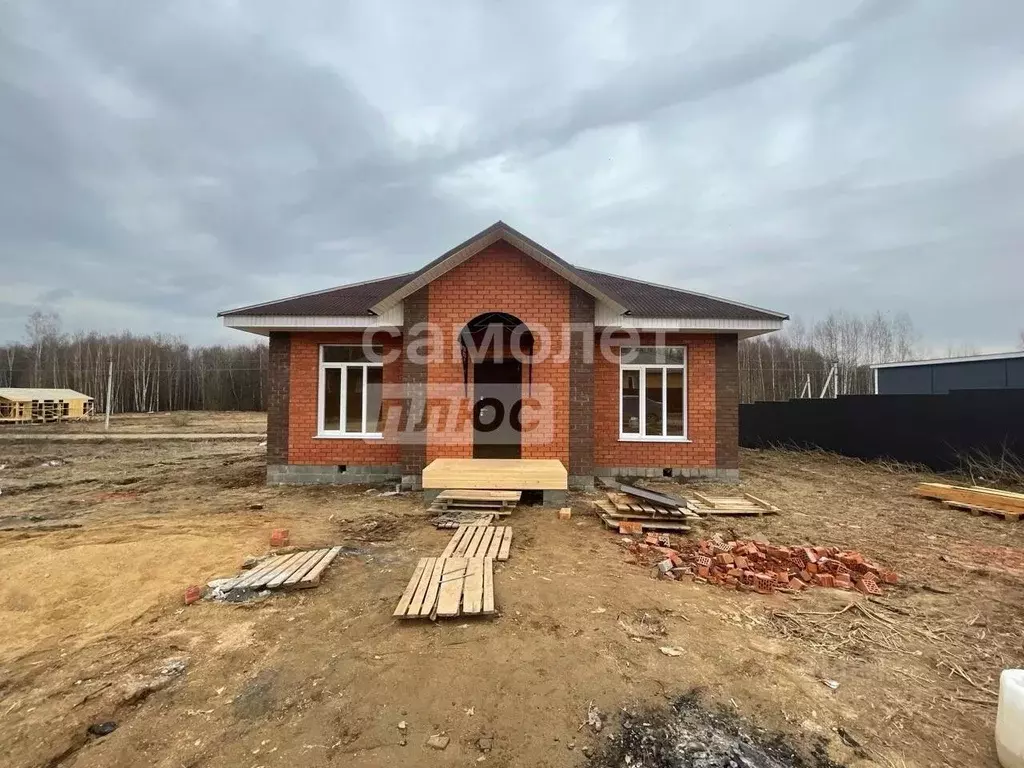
(351, 379)
(652, 393)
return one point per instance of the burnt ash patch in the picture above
(689, 735)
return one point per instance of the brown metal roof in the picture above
(639, 298)
(345, 300)
(644, 299)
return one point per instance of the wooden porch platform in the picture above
(496, 474)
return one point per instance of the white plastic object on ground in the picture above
(1010, 719)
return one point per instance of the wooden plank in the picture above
(410, 589)
(285, 567)
(495, 474)
(309, 565)
(485, 542)
(312, 578)
(421, 589)
(479, 494)
(642, 493)
(265, 567)
(495, 546)
(1004, 501)
(456, 540)
(474, 541)
(974, 508)
(645, 525)
(703, 499)
(301, 563)
(488, 606)
(433, 585)
(453, 576)
(506, 545)
(473, 589)
(260, 575)
(719, 512)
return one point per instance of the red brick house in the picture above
(501, 349)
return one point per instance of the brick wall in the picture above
(502, 279)
(304, 447)
(278, 375)
(727, 402)
(702, 449)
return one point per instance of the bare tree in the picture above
(150, 372)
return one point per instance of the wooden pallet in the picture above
(977, 510)
(299, 570)
(443, 587)
(985, 498)
(730, 505)
(624, 504)
(493, 541)
(623, 526)
(471, 500)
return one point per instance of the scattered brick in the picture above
(193, 594)
(762, 567)
(279, 537)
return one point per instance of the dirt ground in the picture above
(166, 423)
(324, 676)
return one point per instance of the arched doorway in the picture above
(495, 347)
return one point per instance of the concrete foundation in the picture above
(316, 474)
(709, 473)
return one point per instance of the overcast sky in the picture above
(162, 161)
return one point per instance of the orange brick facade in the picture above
(501, 279)
(304, 447)
(609, 451)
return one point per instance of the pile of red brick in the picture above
(758, 566)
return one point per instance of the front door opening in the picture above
(497, 407)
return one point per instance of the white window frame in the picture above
(642, 369)
(340, 433)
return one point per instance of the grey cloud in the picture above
(174, 160)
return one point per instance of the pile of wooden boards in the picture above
(298, 570)
(634, 510)
(730, 505)
(443, 587)
(460, 581)
(975, 499)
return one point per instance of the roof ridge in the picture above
(685, 290)
(314, 293)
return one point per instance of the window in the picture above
(652, 401)
(351, 378)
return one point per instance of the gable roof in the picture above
(623, 295)
(464, 251)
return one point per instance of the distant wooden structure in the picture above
(25, 405)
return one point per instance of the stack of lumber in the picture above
(746, 504)
(480, 501)
(975, 499)
(298, 570)
(443, 587)
(634, 510)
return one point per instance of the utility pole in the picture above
(110, 387)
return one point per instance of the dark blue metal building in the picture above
(939, 377)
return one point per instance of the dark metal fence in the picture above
(935, 430)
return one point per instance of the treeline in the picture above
(162, 373)
(151, 373)
(780, 365)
